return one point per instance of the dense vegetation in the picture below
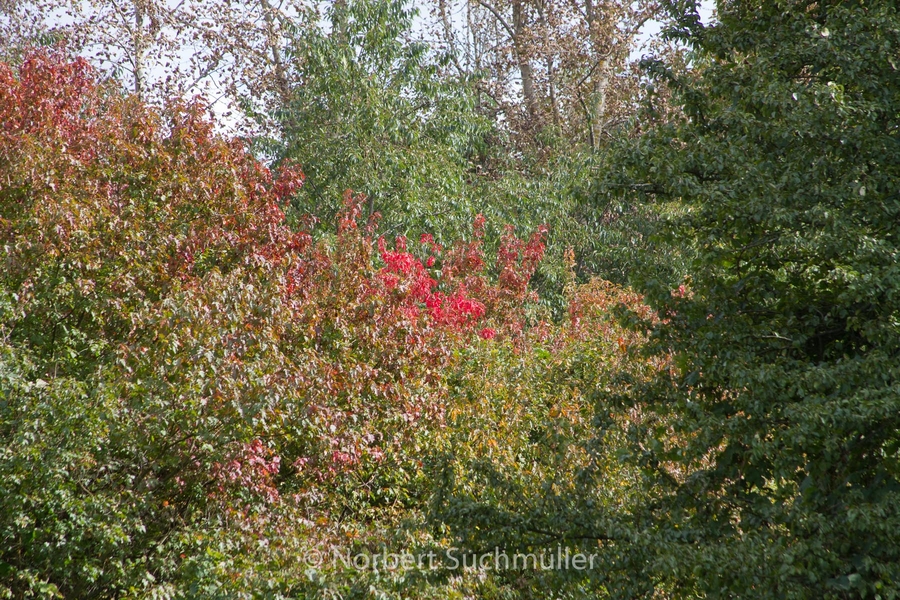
(646, 317)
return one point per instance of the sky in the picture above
(652, 28)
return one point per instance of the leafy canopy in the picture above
(786, 335)
(373, 112)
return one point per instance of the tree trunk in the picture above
(525, 68)
(272, 40)
(139, 49)
(597, 100)
(598, 104)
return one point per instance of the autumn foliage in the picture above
(215, 369)
(201, 354)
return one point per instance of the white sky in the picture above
(652, 28)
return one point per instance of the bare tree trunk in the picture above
(601, 83)
(339, 20)
(525, 68)
(551, 83)
(281, 82)
(139, 49)
(550, 64)
(449, 36)
(601, 75)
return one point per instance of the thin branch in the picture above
(499, 18)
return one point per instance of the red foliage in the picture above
(105, 183)
(252, 468)
(147, 214)
(402, 321)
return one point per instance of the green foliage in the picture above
(764, 462)
(522, 468)
(375, 113)
(108, 213)
(786, 338)
(198, 392)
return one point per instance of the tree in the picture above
(523, 468)
(108, 211)
(374, 110)
(786, 396)
(371, 113)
